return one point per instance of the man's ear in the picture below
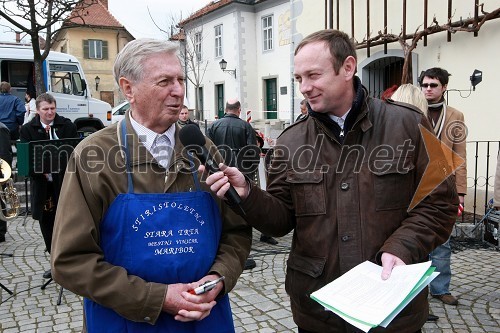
(349, 67)
(126, 87)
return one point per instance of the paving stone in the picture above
(259, 301)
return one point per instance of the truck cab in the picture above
(64, 79)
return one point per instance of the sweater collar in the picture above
(356, 106)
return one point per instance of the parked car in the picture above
(118, 112)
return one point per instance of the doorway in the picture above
(271, 98)
(219, 100)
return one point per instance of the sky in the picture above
(134, 15)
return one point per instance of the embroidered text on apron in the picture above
(164, 238)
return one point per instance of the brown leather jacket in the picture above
(349, 203)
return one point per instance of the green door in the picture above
(271, 99)
(219, 100)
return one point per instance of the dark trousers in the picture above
(3, 224)
(304, 331)
(47, 226)
(3, 228)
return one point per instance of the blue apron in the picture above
(164, 238)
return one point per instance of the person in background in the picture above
(184, 117)
(233, 136)
(449, 126)
(408, 93)
(46, 188)
(137, 231)
(303, 110)
(348, 206)
(6, 156)
(30, 106)
(386, 94)
(260, 143)
(12, 110)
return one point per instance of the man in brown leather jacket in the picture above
(343, 180)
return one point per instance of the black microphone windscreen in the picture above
(190, 134)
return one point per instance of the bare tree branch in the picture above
(467, 25)
(37, 18)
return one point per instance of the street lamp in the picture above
(223, 65)
(476, 78)
(97, 81)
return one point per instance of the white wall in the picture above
(242, 49)
(460, 57)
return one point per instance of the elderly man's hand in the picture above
(220, 182)
(187, 307)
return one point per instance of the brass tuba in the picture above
(8, 193)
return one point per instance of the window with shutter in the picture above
(105, 49)
(96, 49)
(86, 49)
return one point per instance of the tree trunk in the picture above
(197, 111)
(406, 76)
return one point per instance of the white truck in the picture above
(64, 79)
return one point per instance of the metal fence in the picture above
(481, 175)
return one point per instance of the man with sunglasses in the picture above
(449, 127)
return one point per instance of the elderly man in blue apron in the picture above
(136, 230)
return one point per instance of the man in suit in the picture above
(45, 188)
(449, 127)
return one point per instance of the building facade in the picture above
(257, 39)
(253, 39)
(95, 40)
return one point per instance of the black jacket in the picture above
(5, 146)
(230, 134)
(33, 131)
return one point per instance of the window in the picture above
(218, 41)
(95, 49)
(66, 79)
(197, 45)
(267, 32)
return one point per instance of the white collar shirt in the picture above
(52, 133)
(159, 145)
(340, 120)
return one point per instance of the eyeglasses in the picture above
(432, 85)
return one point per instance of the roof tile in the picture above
(95, 15)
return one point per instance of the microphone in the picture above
(192, 138)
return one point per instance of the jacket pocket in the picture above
(312, 266)
(302, 279)
(393, 183)
(308, 192)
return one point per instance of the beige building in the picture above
(95, 38)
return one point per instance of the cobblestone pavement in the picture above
(259, 301)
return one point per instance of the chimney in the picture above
(18, 37)
(104, 3)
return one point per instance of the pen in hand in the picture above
(209, 285)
